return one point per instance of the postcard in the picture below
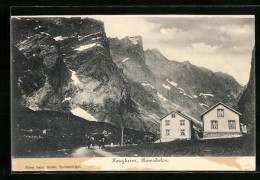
(133, 93)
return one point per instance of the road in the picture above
(92, 152)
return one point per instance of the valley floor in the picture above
(213, 147)
(77, 152)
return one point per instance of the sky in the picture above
(219, 43)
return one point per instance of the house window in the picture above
(214, 124)
(182, 122)
(182, 132)
(167, 122)
(167, 132)
(231, 124)
(220, 112)
(173, 115)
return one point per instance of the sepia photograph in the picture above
(133, 93)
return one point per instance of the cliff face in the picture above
(128, 54)
(170, 84)
(65, 65)
(247, 102)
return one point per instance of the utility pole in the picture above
(122, 138)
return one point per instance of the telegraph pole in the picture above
(122, 138)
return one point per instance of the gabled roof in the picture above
(167, 115)
(184, 115)
(220, 103)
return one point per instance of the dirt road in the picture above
(92, 152)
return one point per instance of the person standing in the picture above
(100, 143)
(88, 142)
(103, 143)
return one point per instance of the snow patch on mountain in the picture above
(59, 38)
(67, 99)
(162, 97)
(38, 27)
(181, 89)
(147, 85)
(205, 95)
(172, 83)
(74, 77)
(204, 105)
(34, 107)
(83, 114)
(185, 94)
(29, 37)
(81, 38)
(88, 46)
(93, 39)
(166, 87)
(124, 60)
(45, 33)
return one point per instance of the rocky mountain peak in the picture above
(132, 42)
(127, 50)
(66, 66)
(136, 40)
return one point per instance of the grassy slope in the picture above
(63, 131)
(218, 147)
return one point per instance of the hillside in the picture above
(36, 132)
(247, 102)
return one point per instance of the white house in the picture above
(176, 125)
(220, 121)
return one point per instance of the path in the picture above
(92, 152)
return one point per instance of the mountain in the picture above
(69, 65)
(64, 65)
(171, 84)
(247, 102)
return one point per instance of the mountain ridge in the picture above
(174, 81)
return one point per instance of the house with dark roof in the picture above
(177, 125)
(220, 121)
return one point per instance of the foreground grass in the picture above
(217, 147)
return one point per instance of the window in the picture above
(167, 132)
(182, 132)
(182, 122)
(167, 122)
(214, 124)
(173, 115)
(220, 112)
(231, 124)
